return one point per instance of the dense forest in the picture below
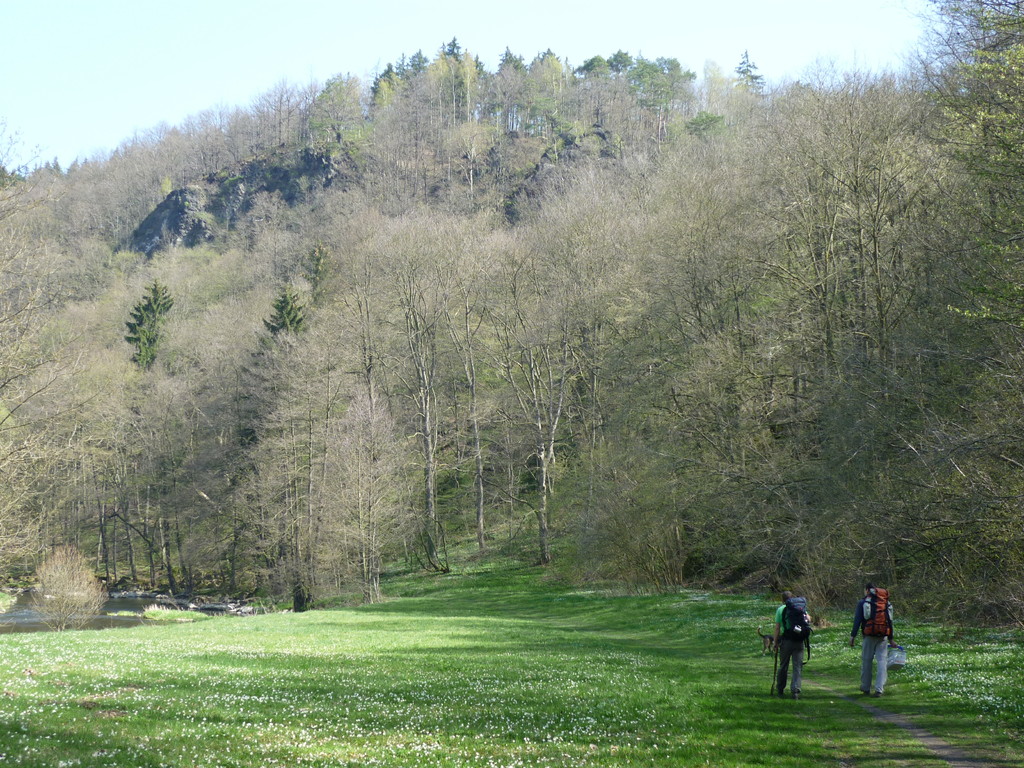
(648, 325)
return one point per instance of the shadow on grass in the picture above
(30, 745)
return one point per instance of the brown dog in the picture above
(767, 642)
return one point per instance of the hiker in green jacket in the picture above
(792, 628)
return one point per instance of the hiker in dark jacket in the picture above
(789, 649)
(877, 637)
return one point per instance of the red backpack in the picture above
(878, 613)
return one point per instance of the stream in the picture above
(23, 615)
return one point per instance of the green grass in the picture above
(488, 669)
(173, 615)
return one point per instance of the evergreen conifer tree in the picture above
(289, 315)
(316, 268)
(144, 327)
(748, 75)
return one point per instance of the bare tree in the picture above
(368, 489)
(282, 114)
(535, 357)
(854, 176)
(420, 271)
(30, 366)
(71, 594)
(465, 321)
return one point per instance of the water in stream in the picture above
(23, 615)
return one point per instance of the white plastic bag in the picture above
(897, 657)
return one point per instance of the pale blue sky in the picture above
(77, 77)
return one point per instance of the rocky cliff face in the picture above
(181, 219)
(192, 215)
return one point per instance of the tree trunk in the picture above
(104, 549)
(165, 552)
(302, 600)
(478, 483)
(129, 546)
(429, 488)
(542, 508)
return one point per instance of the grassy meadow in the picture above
(493, 668)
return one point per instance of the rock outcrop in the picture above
(181, 219)
(195, 214)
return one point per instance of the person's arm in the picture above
(858, 619)
(778, 624)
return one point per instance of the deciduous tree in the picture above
(368, 487)
(70, 593)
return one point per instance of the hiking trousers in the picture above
(790, 650)
(873, 649)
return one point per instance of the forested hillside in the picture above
(653, 326)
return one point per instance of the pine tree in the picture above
(144, 327)
(316, 268)
(289, 315)
(748, 76)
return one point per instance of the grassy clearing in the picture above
(484, 669)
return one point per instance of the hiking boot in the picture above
(876, 695)
(796, 694)
(865, 693)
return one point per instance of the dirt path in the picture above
(943, 750)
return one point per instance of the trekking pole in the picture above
(775, 671)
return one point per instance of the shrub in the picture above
(71, 594)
